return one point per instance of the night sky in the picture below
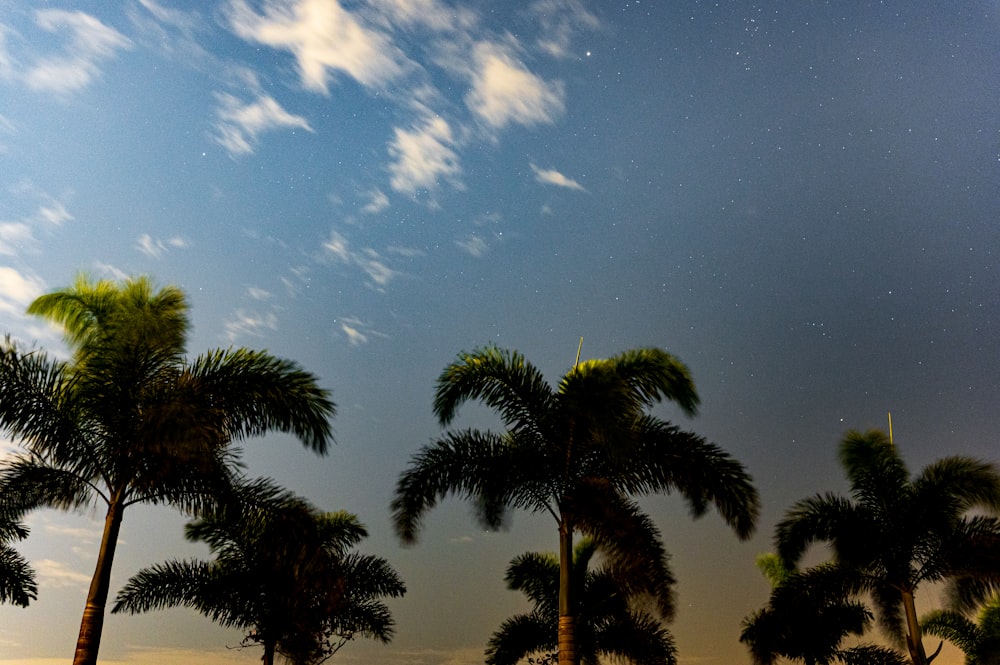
(798, 199)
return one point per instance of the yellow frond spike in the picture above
(579, 348)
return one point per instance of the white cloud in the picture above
(337, 246)
(552, 177)
(240, 124)
(367, 259)
(377, 271)
(54, 574)
(422, 156)
(377, 202)
(77, 533)
(560, 20)
(473, 244)
(155, 247)
(358, 332)
(17, 235)
(323, 37)
(429, 13)
(17, 290)
(354, 336)
(254, 324)
(54, 213)
(505, 92)
(90, 43)
(13, 237)
(258, 294)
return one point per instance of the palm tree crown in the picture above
(610, 621)
(895, 532)
(283, 572)
(578, 453)
(128, 419)
(809, 614)
(979, 640)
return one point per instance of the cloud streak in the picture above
(422, 156)
(90, 43)
(553, 177)
(240, 124)
(324, 38)
(505, 92)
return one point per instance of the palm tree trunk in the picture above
(914, 639)
(268, 658)
(89, 641)
(567, 610)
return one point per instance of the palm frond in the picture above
(666, 459)
(536, 574)
(638, 639)
(520, 636)
(17, 579)
(503, 380)
(255, 393)
(479, 466)
(815, 519)
(629, 539)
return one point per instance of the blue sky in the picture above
(798, 199)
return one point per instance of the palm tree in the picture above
(610, 621)
(808, 616)
(893, 532)
(578, 453)
(283, 572)
(127, 419)
(17, 579)
(979, 640)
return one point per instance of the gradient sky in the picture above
(800, 200)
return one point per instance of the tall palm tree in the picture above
(979, 640)
(895, 532)
(610, 621)
(283, 572)
(577, 453)
(17, 579)
(128, 419)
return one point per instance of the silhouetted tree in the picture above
(611, 622)
(979, 640)
(577, 453)
(128, 419)
(894, 533)
(808, 616)
(282, 571)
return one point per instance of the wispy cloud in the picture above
(54, 574)
(325, 39)
(17, 290)
(553, 177)
(428, 13)
(239, 124)
(357, 331)
(422, 156)
(18, 234)
(154, 247)
(367, 259)
(90, 43)
(377, 202)
(245, 323)
(505, 92)
(560, 22)
(477, 243)
(473, 245)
